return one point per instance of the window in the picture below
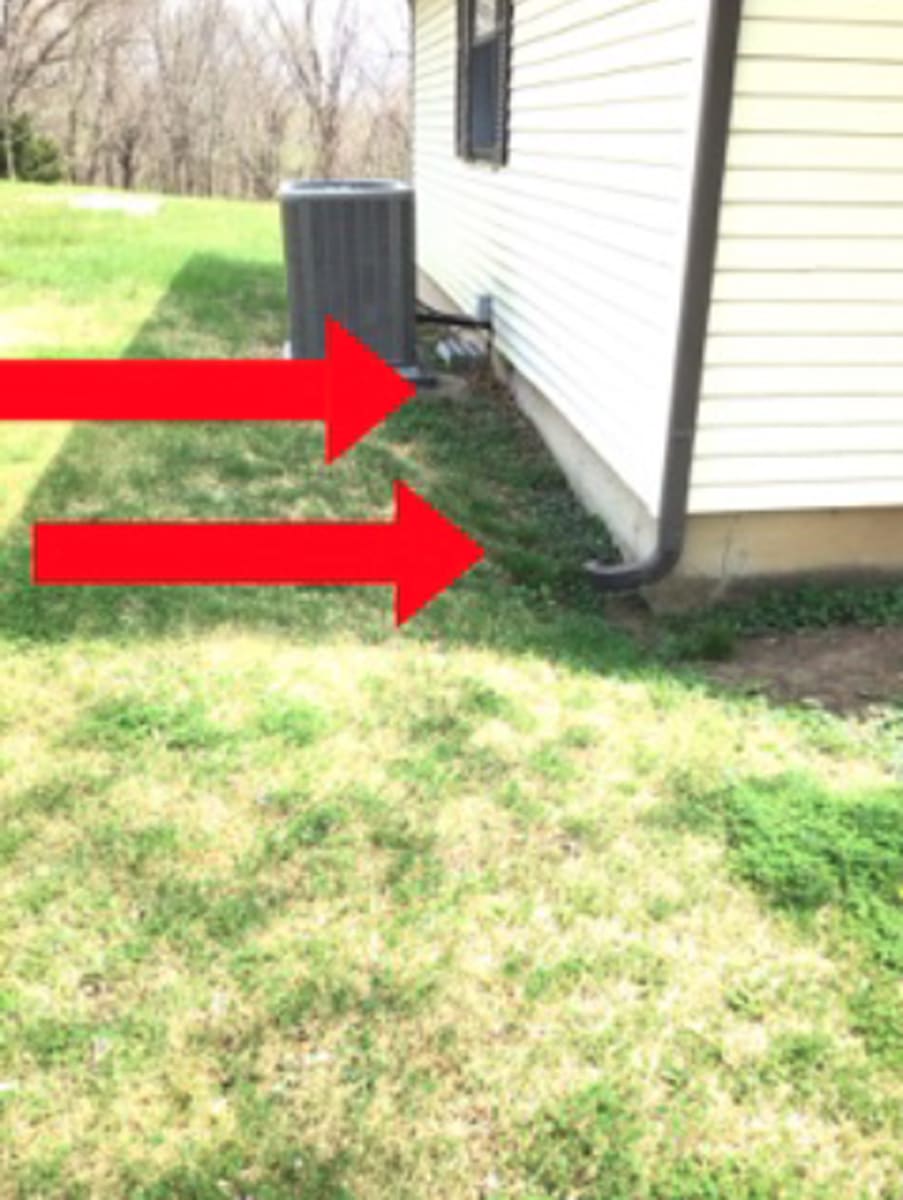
(484, 42)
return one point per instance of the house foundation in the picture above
(724, 554)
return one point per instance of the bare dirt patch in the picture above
(845, 670)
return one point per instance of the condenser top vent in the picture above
(340, 187)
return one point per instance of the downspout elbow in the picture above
(630, 577)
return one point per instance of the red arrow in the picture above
(420, 553)
(352, 390)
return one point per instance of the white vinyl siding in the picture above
(581, 238)
(802, 401)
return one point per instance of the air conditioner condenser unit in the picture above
(350, 255)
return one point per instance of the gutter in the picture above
(696, 295)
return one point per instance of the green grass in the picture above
(83, 284)
(296, 905)
(806, 850)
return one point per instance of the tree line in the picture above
(198, 97)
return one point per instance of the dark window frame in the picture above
(484, 64)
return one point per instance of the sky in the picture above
(388, 15)
(384, 24)
(383, 20)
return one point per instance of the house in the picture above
(688, 215)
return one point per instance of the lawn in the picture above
(502, 905)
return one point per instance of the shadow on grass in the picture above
(293, 1172)
(473, 456)
(217, 308)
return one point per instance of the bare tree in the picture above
(35, 36)
(264, 103)
(320, 59)
(185, 42)
(205, 96)
(128, 97)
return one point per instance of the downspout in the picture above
(696, 294)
